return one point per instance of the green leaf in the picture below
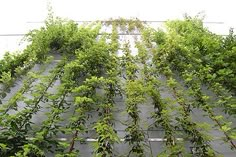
(225, 128)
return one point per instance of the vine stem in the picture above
(226, 135)
(73, 141)
(171, 140)
(38, 100)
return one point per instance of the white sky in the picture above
(15, 14)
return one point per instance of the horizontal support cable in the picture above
(122, 139)
(120, 34)
(98, 34)
(145, 21)
(12, 34)
(89, 21)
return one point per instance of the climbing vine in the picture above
(87, 69)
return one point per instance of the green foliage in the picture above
(190, 49)
(30, 150)
(61, 36)
(186, 49)
(188, 46)
(13, 61)
(107, 137)
(135, 93)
